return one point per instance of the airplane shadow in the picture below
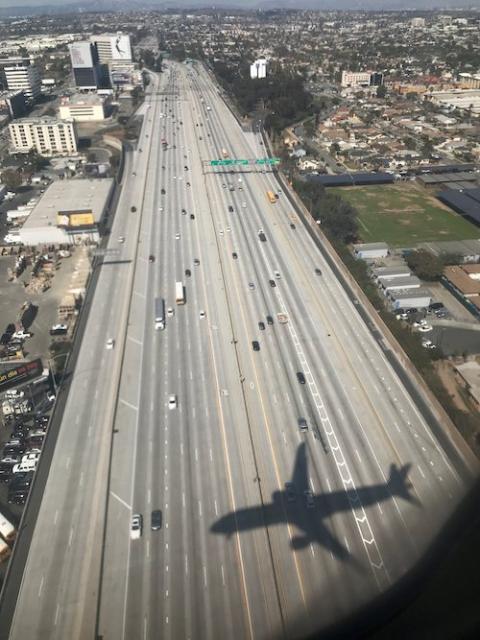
(307, 512)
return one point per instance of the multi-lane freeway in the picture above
(240, 553)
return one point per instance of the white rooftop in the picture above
(70, 196)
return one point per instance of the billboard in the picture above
(81, 55)
(20, 374)
(121, 49)
(75, 219)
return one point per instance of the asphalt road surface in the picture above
(237, 555)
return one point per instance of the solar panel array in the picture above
(352, 179)
(467, 202)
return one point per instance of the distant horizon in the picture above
(330, 5)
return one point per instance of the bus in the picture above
(179, 293)
(159, 314)
(7, 530)
(272, 197)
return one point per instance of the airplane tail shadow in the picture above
(399, 484)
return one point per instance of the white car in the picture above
(172, 401)
(170, 312)
(110, 343)
(425, 328)
(428, 344)
(160, 209)
(277, 275)
(136, 526)
(244, 205)
(202, 314)
(21, 335)
(177, 236)
(121, 239)
(31, 457)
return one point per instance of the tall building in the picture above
(85, 65)
(47, 135)
(258, 69)
(22, 76)
(112, 47)
(14, 103)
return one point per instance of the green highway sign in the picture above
(267, 161)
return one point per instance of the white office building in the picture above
(47, 135)
(356, 78)
(82, 108)
(258, 69)
(23, 77)
(112, 47)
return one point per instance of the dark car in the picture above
(262, 237)
(302, 423)
(261, 326)
(7, 336)
(156, 520)
(300, 377)
(292, 226)
(162, 192)
(436, 306)
(318, 271)
(192, 216)
(255, 345)
(184, 212)
(188, 272)
(272, 283)
(186, 168)
(234, 255)
(269, 320)
(151, 258)
(230, 208)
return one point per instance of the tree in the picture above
(334, 148)
(381, 91)
(11, 179)
(425, 265)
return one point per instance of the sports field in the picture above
(403, 216)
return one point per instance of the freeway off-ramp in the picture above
(237, 555)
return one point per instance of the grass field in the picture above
(404, 216)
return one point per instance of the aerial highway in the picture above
(296, 478)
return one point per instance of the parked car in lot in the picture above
(58, 329)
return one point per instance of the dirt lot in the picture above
(14, 294)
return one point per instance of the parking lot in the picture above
(25, 414)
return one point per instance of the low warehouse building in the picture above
(69, 212)
(410, 298)
(371, 250)
(398, 284)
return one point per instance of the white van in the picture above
(24, 467)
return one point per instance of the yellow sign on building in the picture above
(75, 219)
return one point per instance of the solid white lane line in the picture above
(40, 589)
(128, 404)
(125, 504)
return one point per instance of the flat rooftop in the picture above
(70, 196)
(81, 98)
